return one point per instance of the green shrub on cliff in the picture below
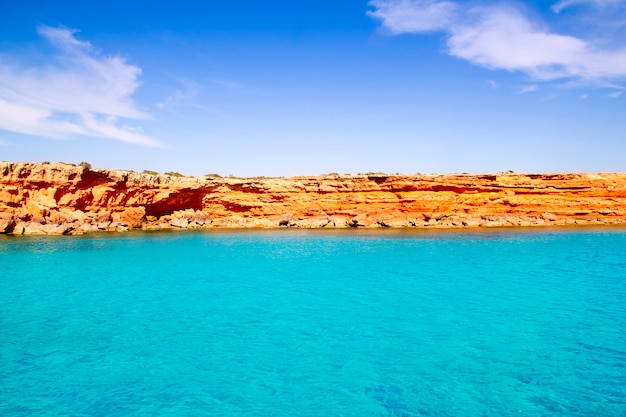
(85, 165)
(174, 174)
(147, 171)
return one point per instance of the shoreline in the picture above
(364, 232)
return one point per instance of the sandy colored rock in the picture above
(130, 216)
(19, 228)
(56, 229)
(6, 222)
(39, 197)
(34, 228)
(179, 222)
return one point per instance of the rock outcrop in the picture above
(59, 198)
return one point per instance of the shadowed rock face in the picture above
(65, 199)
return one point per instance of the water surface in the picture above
(314, 323)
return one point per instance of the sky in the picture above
(282, 87)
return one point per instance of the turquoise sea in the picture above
(314, 323)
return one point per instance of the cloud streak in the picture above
(566, 4)
(501, 37)
(77, 92)
(411, 16)
(528, 89)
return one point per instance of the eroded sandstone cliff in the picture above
(59, 198)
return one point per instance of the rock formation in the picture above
(59, 198)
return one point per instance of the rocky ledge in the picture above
(59, 198)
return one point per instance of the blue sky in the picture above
(287, 88)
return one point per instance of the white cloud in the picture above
(528, 89)
(178, 98)
(583, 97)
(616, 94)
(502, 37)
(78, 92)
(413, 16)
(182, 97)
(185, 97)
(566, 4)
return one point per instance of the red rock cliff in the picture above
(59, 199)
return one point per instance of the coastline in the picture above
(365, 233)
(63, 199)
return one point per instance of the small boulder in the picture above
(103, 225)
(33, 228)
(55, 229)
(87, 227)
(549, 216)
(6, 222)
(340, 221)
(101, 216)
(131, 216)
(78, 216)
(363, 220)
(432, 221)
(179, 222)
(58, 217)
(417, 222)
(352, 223)
(397, 223)
(285, 220)
(471, 223)
(19, 228)
(184, 214)
(201, 218)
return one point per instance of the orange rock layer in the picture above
(65, 199)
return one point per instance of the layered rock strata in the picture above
(59, 198)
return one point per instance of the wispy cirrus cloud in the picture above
(78, 91)
(500, 36)
(566, 4)
(528, 89)
(185, 97)
(410, 16)
(493, 84)
(181, 97)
